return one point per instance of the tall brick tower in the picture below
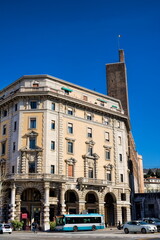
(117, 81)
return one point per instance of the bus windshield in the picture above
(60, 220)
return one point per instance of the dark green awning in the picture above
(67, 89)
(114, 106)
(99, 99)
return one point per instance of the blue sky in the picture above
(74, 39)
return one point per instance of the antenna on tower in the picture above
(119, 36)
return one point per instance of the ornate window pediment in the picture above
(71, 161)
(108, 167)
(32, 134)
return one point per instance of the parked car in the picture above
(137, 226)
(154, 221)
(5, 228)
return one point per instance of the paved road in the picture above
(109, 234)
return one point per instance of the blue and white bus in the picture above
(75, 222)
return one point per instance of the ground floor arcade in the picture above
(41, 201)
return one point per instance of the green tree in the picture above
(158, 173)
(150, 173)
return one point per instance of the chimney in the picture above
(121, 55)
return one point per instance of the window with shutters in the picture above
(70, 170)
(52, 124)
(33, 104)
(70, 147)
(109, 176)
(53, 106)
(89, 132)
(70, 111)
(70, 128)
(90, 172)
(32, 122)
(52, 169)
(107, 136)
(107, 154)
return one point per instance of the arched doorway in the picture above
(92, 205)
(31, 208)
(71, 201)
(110, 209)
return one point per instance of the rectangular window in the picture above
(123, 197)
(107, 136)
(15, 126)
(70, 128)
(4, 129)
(70, 111)
(52, 145)
(90, 172)
(70, 170)
(89, 132)
(121, 177)
(120, 157)
(52, 169)
(109, 177)
(14, 146)
(32, 122)
(53, 106)
(35, 85)
(107, 155)
(5, 113)
(32, 143)
(3, 145)
(119, 140)
(70, 147)
(106, 121)
(118, 124)
(85, 98)
(90, 150)
(52, 124)
(15, 107)
(12, 169)
(89, 116)
(32, 167)
(33, 105)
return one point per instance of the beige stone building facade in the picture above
(63, 149)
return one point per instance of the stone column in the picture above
(46, 207)
(62, 200)
(12, 204)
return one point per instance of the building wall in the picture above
(51, 187)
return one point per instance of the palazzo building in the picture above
(63, 149)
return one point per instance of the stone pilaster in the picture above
(101, 208)
(62, 199)
(39, 162)
(81, 206)
(46, 206)
(23, 166)
(18, 207)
